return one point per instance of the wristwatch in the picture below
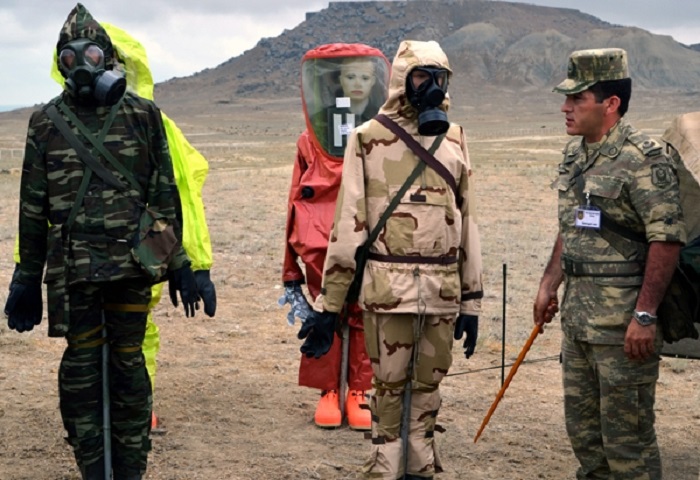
(645, 318)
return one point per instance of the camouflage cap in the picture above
(588, 67)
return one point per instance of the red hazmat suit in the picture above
(332, 106)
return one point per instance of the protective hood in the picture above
(81, 24)
(411, 54)
(342, 86)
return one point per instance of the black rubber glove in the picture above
(468, 324)
(24, 306)
(318, 330)
(182, 280)
(206, 290)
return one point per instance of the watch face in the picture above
(644, 319)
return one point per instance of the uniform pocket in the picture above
(603, 186)
(423, 223)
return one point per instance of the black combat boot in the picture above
(130, 474)
(408, 476)
(95, 471)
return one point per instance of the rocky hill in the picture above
(513, 45)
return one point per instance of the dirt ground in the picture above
(226, 388)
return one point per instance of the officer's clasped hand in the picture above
(318, 330)
(469, 325)
(295, 298)
(182, 280)
(206, 290)
(24, 306)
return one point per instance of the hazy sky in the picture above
(186, 36)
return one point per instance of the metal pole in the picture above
(106, 420)
(503, 334)
(344, 365)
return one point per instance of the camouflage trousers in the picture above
(390, 341)
(124, 305)
(609, 409)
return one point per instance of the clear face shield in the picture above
(341, 93)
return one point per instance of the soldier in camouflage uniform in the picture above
(620, 233)
(423, 271)
(106, 293)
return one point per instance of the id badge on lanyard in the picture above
(587, 216)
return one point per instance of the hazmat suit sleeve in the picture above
(349, 230)
(191, 170)
(470, 265)
(291, 271)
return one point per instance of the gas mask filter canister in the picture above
(426, 88)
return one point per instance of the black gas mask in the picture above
(426, 88)
(82, 63)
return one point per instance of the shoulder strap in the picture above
(422, 153)
(82, 151)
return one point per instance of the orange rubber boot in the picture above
(357, 411)
(328, 410)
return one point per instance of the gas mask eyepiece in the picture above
(83, 66)
(426, 88)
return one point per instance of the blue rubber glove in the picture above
(469, 325)
(318, 330)
(182, 280)
(206, 290)
(295, 297)
(24, 306)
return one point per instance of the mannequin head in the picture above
(357, 77)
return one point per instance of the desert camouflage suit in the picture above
(101, 275)
(424, 268)
(609, 399)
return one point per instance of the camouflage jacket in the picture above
(426, 227)
(107, 220)
(629, 178)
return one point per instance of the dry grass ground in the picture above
(226, 387)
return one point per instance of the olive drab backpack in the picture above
(679, 310)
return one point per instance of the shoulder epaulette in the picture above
(647, 145)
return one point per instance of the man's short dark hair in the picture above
(618, 88)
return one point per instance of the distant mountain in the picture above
(488, 43)
(7, 108)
